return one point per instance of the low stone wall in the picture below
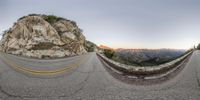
(144, 70)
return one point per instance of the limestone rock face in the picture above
(43, 36)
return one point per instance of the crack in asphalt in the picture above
(196, 75)
(197, 78)
(84, 82)
(3, 91)
(81, 88)
(6, 93)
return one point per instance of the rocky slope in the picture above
(42, 36)
(91, 47)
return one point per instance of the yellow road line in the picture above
(43, 72)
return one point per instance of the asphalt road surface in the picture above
(85, 78)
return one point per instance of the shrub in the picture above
(51, 18)
(34, 15)
(109, 53)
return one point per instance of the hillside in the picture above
(146, 57)
(43, 36)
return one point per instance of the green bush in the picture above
(51, 18)
(109, 53)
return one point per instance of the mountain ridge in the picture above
(146, 57)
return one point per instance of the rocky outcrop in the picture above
(44, 36)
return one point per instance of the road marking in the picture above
(43, 72)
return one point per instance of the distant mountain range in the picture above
(105, 47)
(146, 57)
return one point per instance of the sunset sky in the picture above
(119, 23)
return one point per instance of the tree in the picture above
(198, 47)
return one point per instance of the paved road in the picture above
(85, 78)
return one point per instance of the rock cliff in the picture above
(43, 36)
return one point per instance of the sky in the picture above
(119, 23)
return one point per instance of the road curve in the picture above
(88, 80)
